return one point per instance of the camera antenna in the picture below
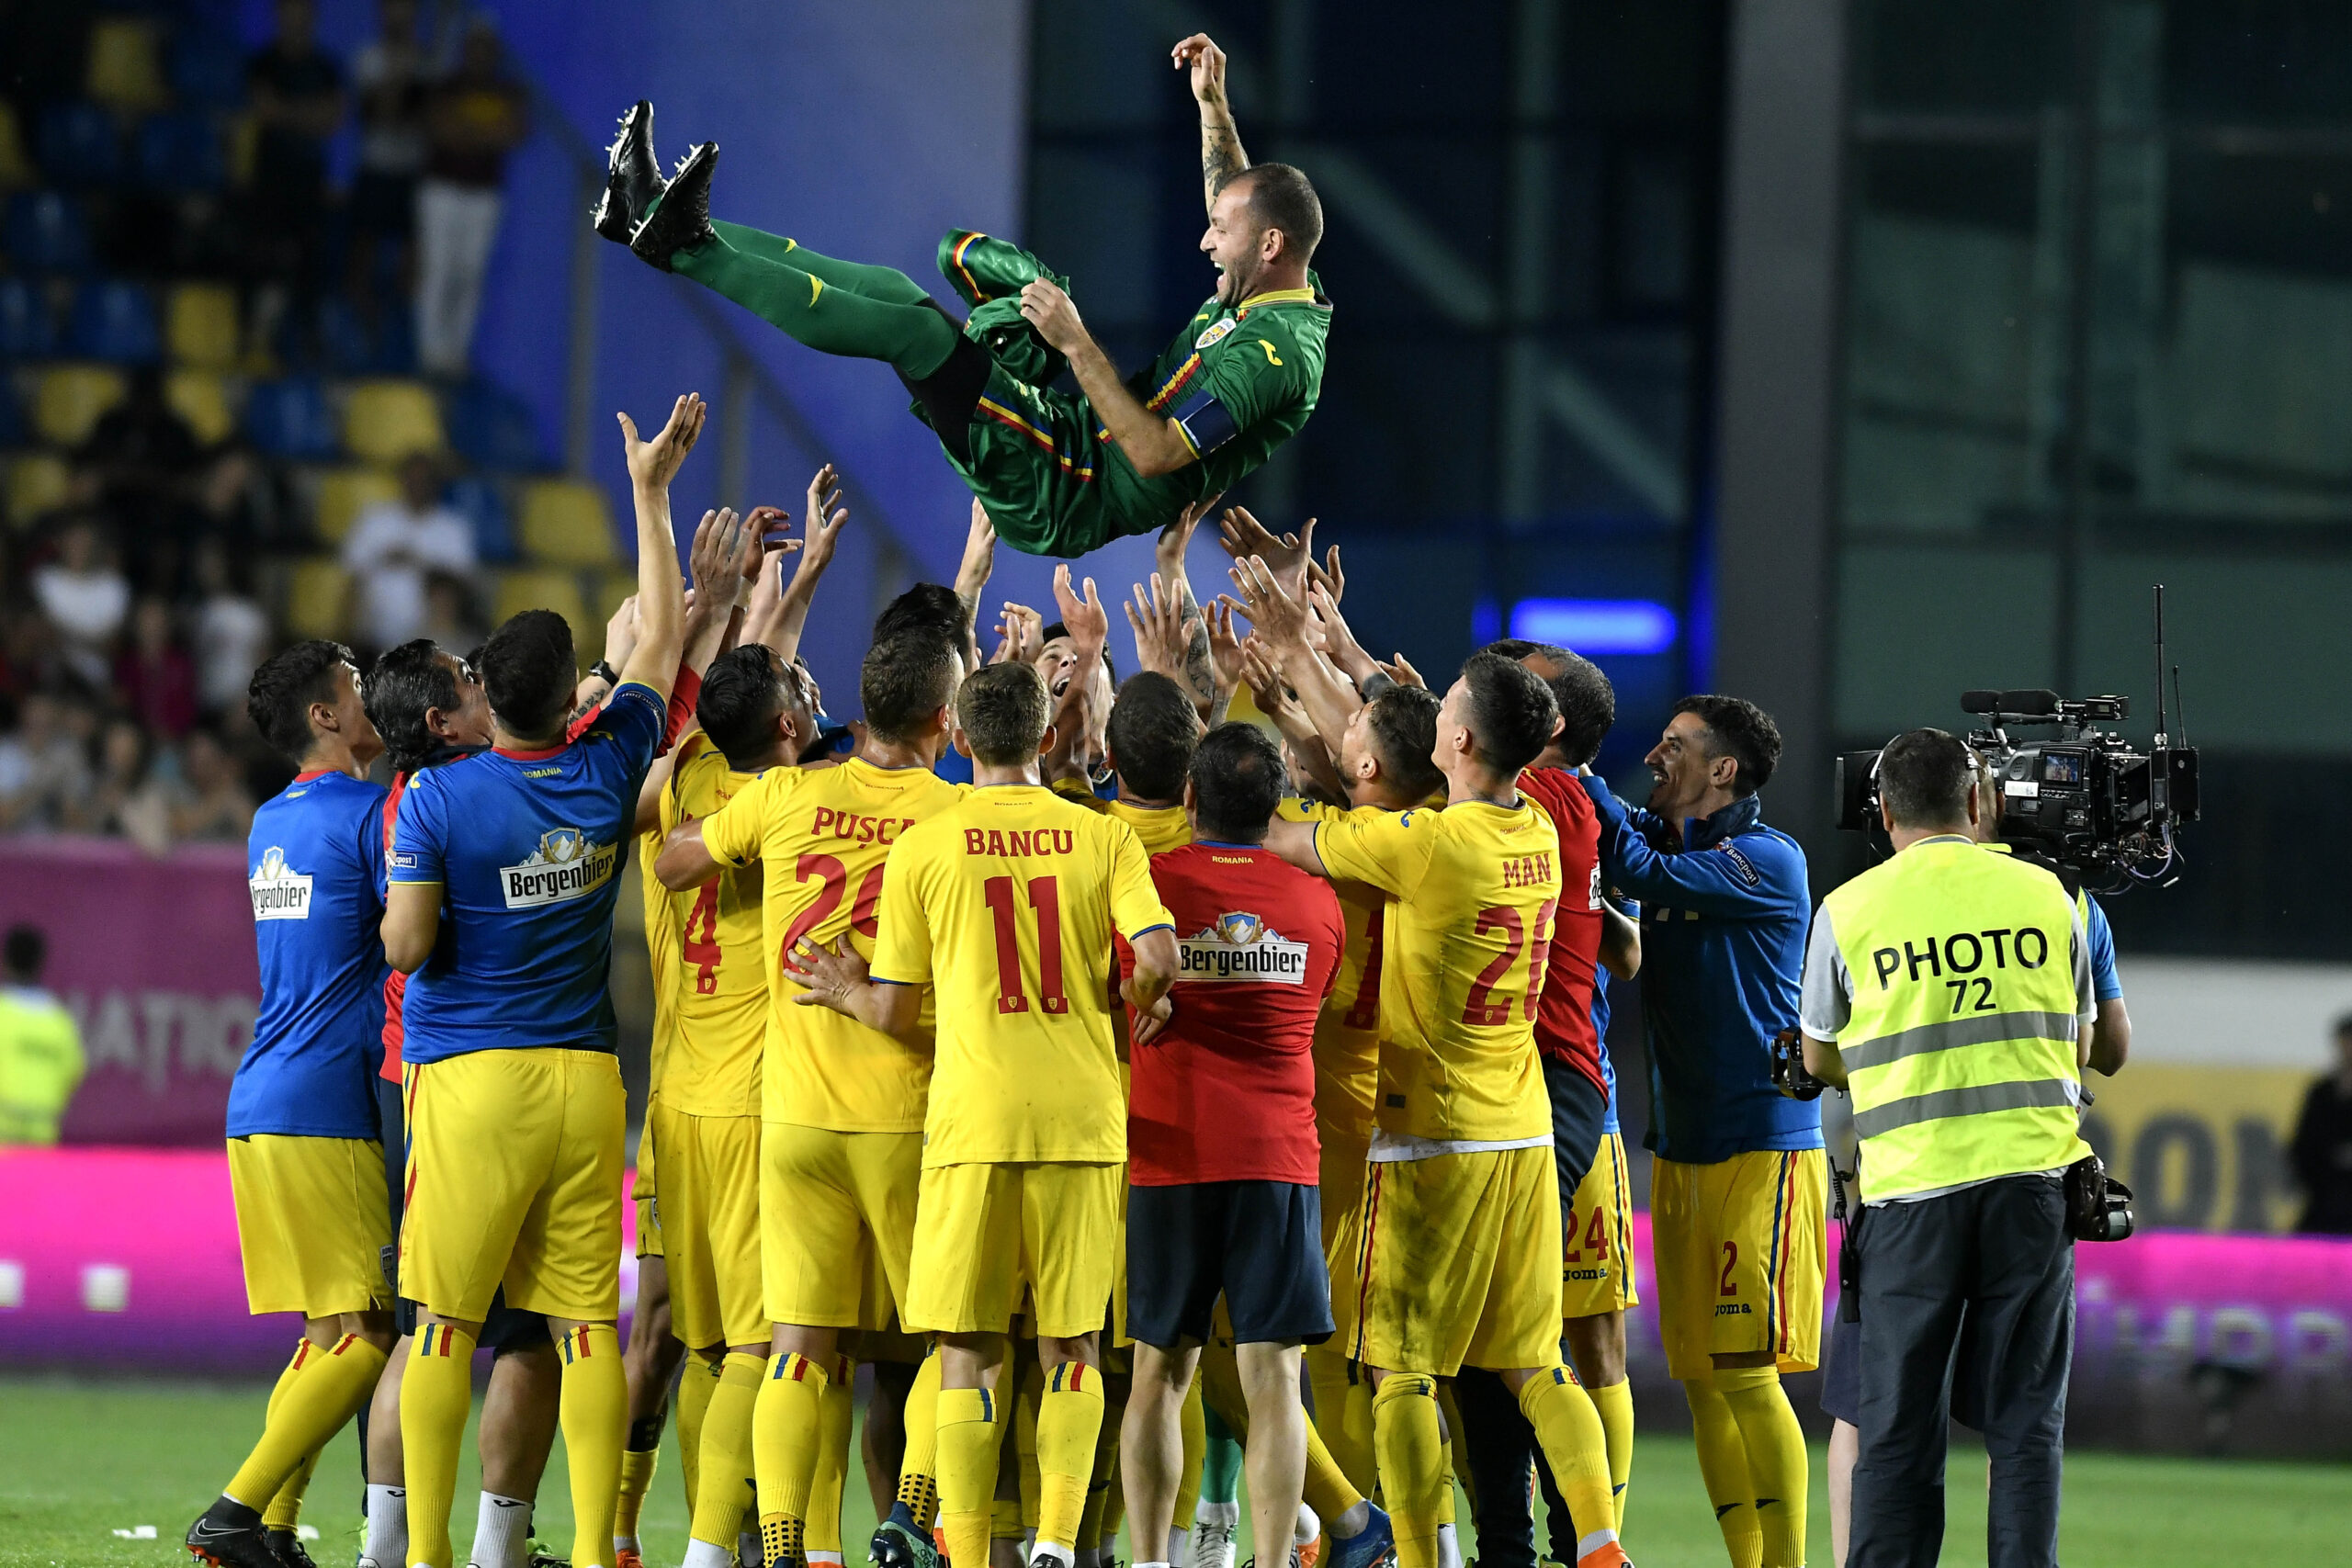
(2179, 706)
(2160, 667)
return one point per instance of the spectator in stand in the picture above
(387, 73)
(153, 674)
(449, 618)
(209, 803)
(296, 90)
(231, 633)
(43, 769)
(119, 799)
(85, 596)
(141, 451)
(241, 501)
(473, 120)
(394, 544)
(40, 1048)
(2320, 1153)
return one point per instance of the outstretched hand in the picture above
(715, 559)
(1279, 619)
(1207, 65)
(1088, 622)
(1162, 629)
(653, 463)
(823, 525)
(1020, 635)
(1290, 555)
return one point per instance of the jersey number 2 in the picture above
(833, 881)
(1480, 1007)
(1046, 899)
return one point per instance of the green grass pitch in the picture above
(79, 1459)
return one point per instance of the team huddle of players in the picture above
(1174, 1051)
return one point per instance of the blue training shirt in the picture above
(1608, 1067)
(527, 848)
(2106, 986)
(315, 867)
(1724, 912)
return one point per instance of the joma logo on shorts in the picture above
(1734, 1309)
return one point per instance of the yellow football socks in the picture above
(303, 1352)
(1615, 1404)
(320, 1390)
(593, 1411)
(919, 1471)
(1570, 1428)
(1342, 1412)
(285, 1510)
(1776, 1458)
(637, 1479)
(436, 1394)
(697, 1383)
(1193, 1423)
(1327, 1490)
(970, 1429)
(1098, 1485)
(787, 1428)
(726, 1447)
(1723, 1468)
(1411, 1445)
(1070, 1425)
(822, 1538)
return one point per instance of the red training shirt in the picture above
(1563, 1016)
(1227, 1092)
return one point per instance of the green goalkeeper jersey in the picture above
(1238, 381)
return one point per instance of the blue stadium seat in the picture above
(493, 428)
(47, 232)
(206, 69)
(79, 145)
(345, 346)
(27, 331)
(181, 153)
(290, 419)
(12, 421)
(115, 321)
(478, 501)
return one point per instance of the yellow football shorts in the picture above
(312, 1220)
(1453, 1263)
(1343, 1182)
(710, 1235)
(1740, 1252)
(514, 1178)
(641, 1192)
(837, 1224)
(1597, 1271)
(983, 1230)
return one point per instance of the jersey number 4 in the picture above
(1046, 899)
(1481, 1008)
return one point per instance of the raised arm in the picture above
(715, 561)
(1281, 622)
(822, 530)
(972, 576)
(1221, 154)
(660, 599)
(1199, 675)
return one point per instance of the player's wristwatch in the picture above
(604, 671)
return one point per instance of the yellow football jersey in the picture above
(823, 835)
(1347, 1031)
(661, 948)
(719, 986)
(1161, 828)
(1473, 891)
(1005, 906)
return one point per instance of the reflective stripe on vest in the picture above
(1959, 1049)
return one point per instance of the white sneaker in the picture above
(1213, 1545)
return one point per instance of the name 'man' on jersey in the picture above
(1005, 904)
(1473, 890)
(314, 865)
(719, 972)
(527, 847)
(823, 835)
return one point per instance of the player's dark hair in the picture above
(407, 681)
(278, 701)
(1153, 730)
(1237, 780)
(1741, 730)
(742, 693)
(929, 606)
(1510, 712)
(1282, 198)
(906, 678)
(1925, 776)
(1003, 713)
(529, 670)
(24, 952)
(1402, 725)
(1588, 702)
(1053, 629)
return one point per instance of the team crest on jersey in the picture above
(1214, 334)
(280, 893)
(565, 866)
(1240, 946)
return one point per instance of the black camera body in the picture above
(2098, 1207)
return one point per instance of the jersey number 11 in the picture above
(1046, 899)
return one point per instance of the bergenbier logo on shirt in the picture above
(280, 893)
(1242, 947)
(565, 866)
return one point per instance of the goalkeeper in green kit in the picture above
(1058, 474)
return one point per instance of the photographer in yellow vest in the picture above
(1949, 991)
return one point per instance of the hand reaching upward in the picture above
(653, 463)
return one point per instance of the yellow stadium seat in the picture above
(16, 168)
(318, 592)
(201, 398)
(385, 421)
(126, 64)
(37, 483)
(567, 523)
(343, 494)
(538, 587)
(201, 326)
(70, 400)
(612, 587)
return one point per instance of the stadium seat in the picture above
(318, 590)
(201, 326)
(290, 419)
(181, 153)
(612, 587)
(115, 320)
(387, 420)
(126, 64)
(533, 588)
(80, 145)
(37, 484)
(567, 523)
(27, 329)
(70, 400)
(47, 232)
(17, 169)
(477, 502)
(343, 495)
(494, 428)
(206, 68)
(201, 398)
(12, 415)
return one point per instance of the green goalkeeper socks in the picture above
(829, 317)
(887, 284)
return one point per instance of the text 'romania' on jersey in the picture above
(1472, 892)
(822, 837)
(526, 848)
(1006, 905)
(719, 976)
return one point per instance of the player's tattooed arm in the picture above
(972, 579)
(836, 977)
(1073, 720)
(1153, 443)
(1200, 674)
(1221, 153)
